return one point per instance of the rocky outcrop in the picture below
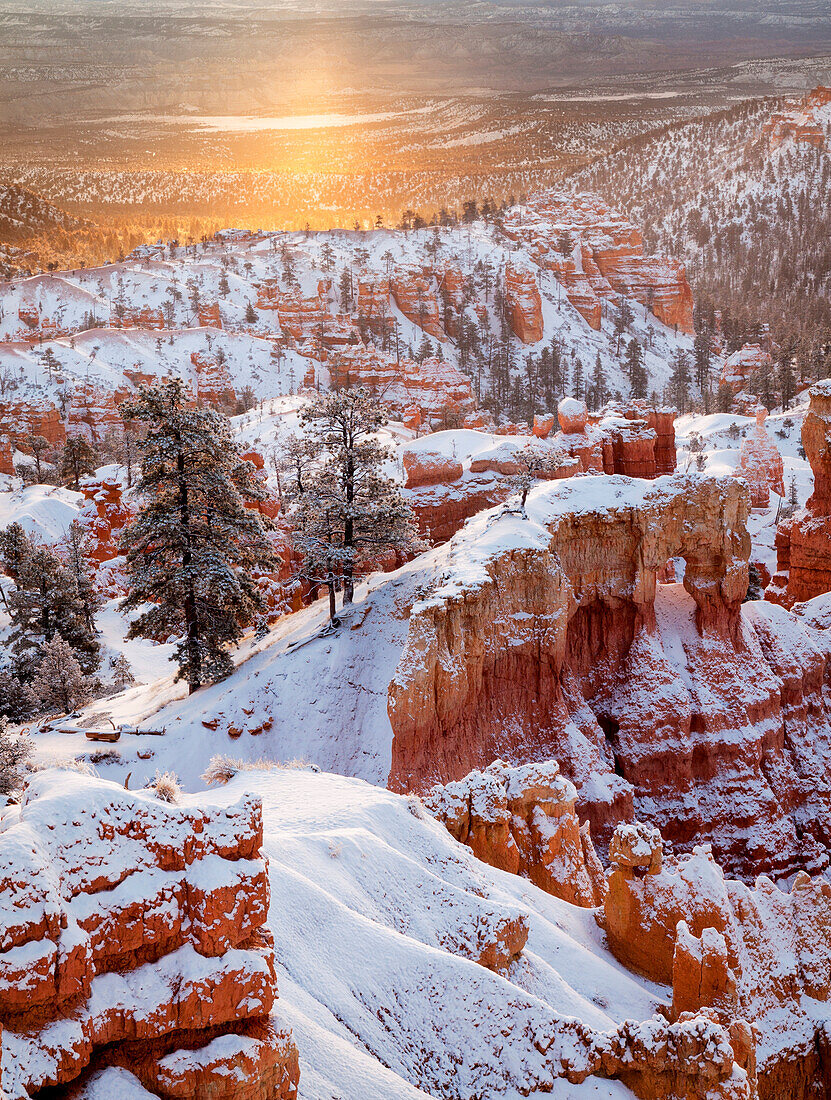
(437, 390)
(20, 419)
(524, 304)
(104, 515)
(414, 291)
(744, 369)
(760, 463)
(133, 936)
(803, 542)
(522, 820)
(424, 467)
(677, 702)
(606, 258)
(737, 952)
(213, 381)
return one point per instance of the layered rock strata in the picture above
(707, 718)
(134, 936)
(739, 953)
(803, 542)
(597, 255)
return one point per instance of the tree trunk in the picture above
(191, 619)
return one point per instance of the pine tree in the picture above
(193, 545)
(535, 461)
(75, 548)
(46, 603)
(40, 447)
(15, 548)
(679, 380)
(637, 371)
(78, 460)
(60, 681)
(122, 672)
(250, 314)
(350, 511)
(599, 392)
(15, 750)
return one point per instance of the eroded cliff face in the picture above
(803, 543)
(550, 643)
(133, 935)
(737, 953)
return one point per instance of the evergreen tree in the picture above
(46, 603)
(15, 750)
(349, 511)
(40, 447)
(637, 371)
(703, 355)
(122, 672)
(680, 380)
(250, 314)
(78, 460)
(598, 391)
(75, 549)
(193, 545)
(60, 681)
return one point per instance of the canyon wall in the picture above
(133, 936)
(671, 701)
(803, 542)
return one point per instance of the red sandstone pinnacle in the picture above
(760, 463)
(734, 952)
(96, 881)
(524, 304)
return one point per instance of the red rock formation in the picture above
(104, 516)
(209, 315)
(20, 419)
(523, 821)
(415, 295)
(442, 509)
(373, 304)
(134, 934)
(611, 257)
(94, 410)
(6, 456)
(429, 468)
(440, 391)
(524, 303)
(213, 381)
(740, 368)
(543, 425)
(736, 952)
(563, 651)
(803, 543)
(760, 463)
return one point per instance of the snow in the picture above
(372, 905)
(43, 511)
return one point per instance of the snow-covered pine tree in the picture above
(122, 672)
(60, 681)
(75, 551)
(536, 461)
(78, 459)
(15, 750)
(350, 511)
(193, 545)
(45, 602)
